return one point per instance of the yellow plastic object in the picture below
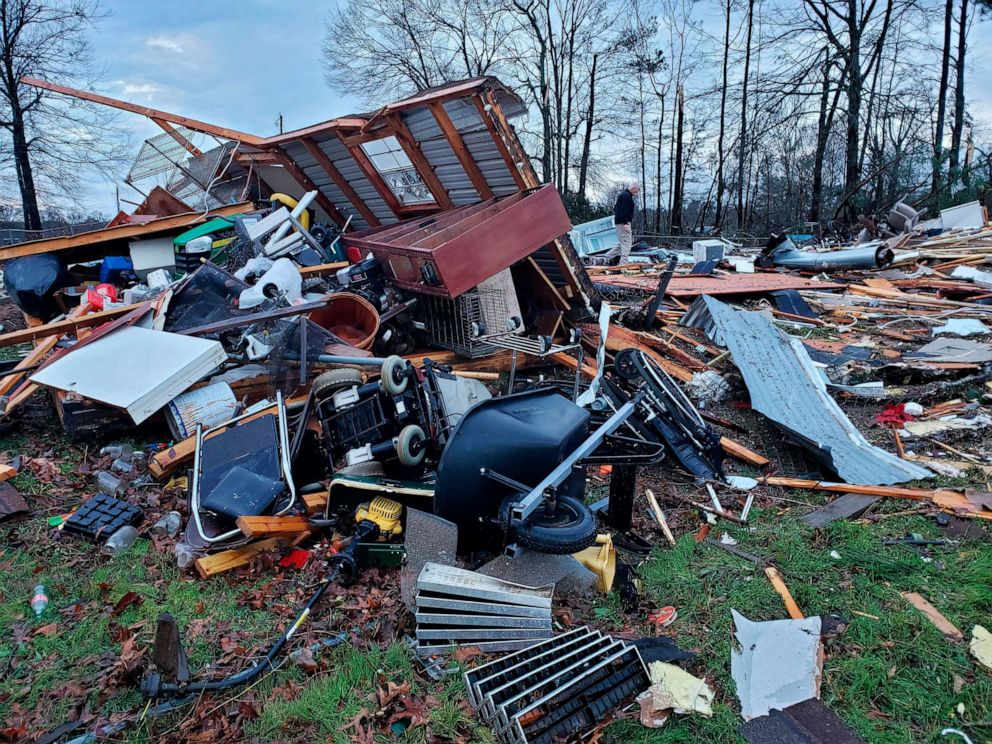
(290, 204)
(385, 513)
(601, 559)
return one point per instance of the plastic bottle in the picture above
(185, 555)
(108, 483)
(121, 540)
(39, 600)
(118, 451)
(168, 525)
(121, 466)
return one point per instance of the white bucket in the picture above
(209, 406)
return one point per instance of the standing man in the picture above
(623, 215)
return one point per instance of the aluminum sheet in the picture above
(786, 387)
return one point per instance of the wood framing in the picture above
(372, 174)
(121, 232)
(340, 181)
(171, 131)
(508, 159)
(308, 185)
(409, 144)
(194, 124)
(454, 138)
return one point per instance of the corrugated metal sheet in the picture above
(436, 149)
(786, 387)
(323, 182)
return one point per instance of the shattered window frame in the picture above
(398, 171)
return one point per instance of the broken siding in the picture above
(786, 387)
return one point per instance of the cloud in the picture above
(138, 90)
(166, 43)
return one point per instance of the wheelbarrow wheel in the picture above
(394, 381)
(328, 383)
(572, 528)
(410, 446)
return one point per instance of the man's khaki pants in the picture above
(624, 240)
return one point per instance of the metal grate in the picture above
(461, 325)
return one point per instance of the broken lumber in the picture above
(932, 614)
(228, 560)
(620, 338)
(959, 504)
(268, 526)
(67, 326)
(778, 584)
(735, 449)
(843, 507)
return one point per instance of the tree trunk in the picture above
(717, 217)
(25, 177)
(822, 134)
(853, 89)
(587, 140)
(644, 145)
(657, 177)
(741, 218)
(679, 168)
(945, 67)
(958, 128)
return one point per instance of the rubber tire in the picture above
(575, 528)
(410, 438)
(328, 383)
(390, 368)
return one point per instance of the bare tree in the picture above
(959, 109)
(53, 140)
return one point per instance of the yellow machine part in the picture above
(601, 559)
(290, 203)
(385, 513)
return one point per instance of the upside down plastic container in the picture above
(209, 406)
(351, 318)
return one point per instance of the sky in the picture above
(241, 63)
(235, 63)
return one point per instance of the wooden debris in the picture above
(266, 526)
(940, 622)
(778, 584)
(735, 449)
(228, 560)
(316, 503)
(843, 507)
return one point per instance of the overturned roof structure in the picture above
(442, 148)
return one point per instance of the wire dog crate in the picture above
(463, 324)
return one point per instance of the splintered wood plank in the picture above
(738, 450)
(940, 622)
(843, 507)
(265, 526)
(228, 560)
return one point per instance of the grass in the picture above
(891, 678)
(894, 679)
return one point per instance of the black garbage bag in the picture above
(31, 282)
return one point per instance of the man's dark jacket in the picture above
(623, 210)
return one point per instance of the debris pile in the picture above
(414, 384)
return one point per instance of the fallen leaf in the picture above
(391, 692)
(126, 601)
(304, 659)
(47, 630)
